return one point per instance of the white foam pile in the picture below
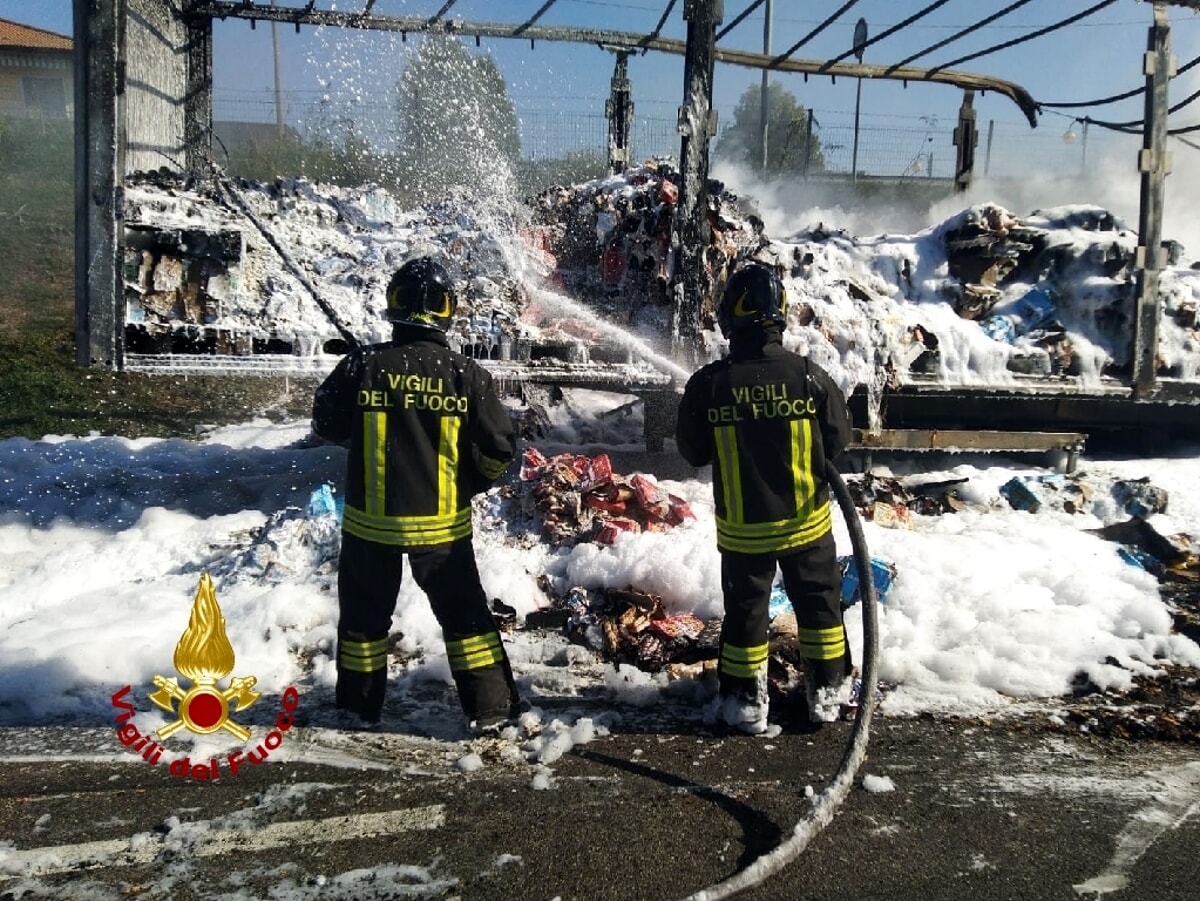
(985, 297)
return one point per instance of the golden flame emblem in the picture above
(204, 656)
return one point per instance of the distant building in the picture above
(36, 78)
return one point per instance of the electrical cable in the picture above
(738, 19)
(1029, 37)
(662, 20)
(532, 19)
(441, 12)
(1141, 123)
(1115, 97)
(1125, 129)
(825, 805)
(855, 51)
(812, 34)
(960, 34)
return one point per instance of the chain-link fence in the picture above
(921, 148)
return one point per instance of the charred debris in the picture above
(1052, 293)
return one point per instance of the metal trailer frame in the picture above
(144, 110)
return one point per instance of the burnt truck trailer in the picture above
(182, 269)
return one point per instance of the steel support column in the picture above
(198, 100)
(99, 177)
(690, 282)
(619, 111)
(1154, 162)
(966, 139)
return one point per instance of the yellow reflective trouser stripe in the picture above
(743, 663)
(725, 439)
(823, 644)
(363, 656)
(407, 530)
(374, 462)
(448, 466)
(491, 467)
(475, 651)
(780, 535)
(802, 476)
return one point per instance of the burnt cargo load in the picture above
(985, 320)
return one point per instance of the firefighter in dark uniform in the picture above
(767, 420)
(426, 431)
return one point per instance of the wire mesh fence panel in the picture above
(1065, 148)
(925, 149)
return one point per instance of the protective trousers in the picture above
(812, 580)
(369, 577)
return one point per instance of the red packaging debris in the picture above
(608, 531)
(580, 498)
(652, 499)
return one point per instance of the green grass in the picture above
(42, 391)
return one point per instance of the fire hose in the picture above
(825, 805)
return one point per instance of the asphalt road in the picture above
(657, 809)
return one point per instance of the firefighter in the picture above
(426, 431)
(768, 420)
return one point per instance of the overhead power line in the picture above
(1138, 124)
(441, 12)
(1029, 37)
(812, 34)
(739, 18)
(537, 15)
(857, 51)
(662, 20)
(970, 29)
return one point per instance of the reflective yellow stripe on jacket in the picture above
(810, 521)
(371, 522)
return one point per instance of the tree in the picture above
(457, 128)
(787, 134)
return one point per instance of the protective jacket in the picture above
(426, 432)
(767, 419)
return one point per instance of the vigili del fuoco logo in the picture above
(204, 657)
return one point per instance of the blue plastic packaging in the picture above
(322, 502)
(882, 574)
(1023, 315)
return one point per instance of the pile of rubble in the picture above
(984, 297)
(610, 241)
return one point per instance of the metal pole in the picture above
(854, 156)
(1154, 162)
(278, 78)
(860, 40)
(808, 138)
(987, 159)
(1083, 148)
(763, 102)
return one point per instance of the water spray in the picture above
(624, 336)
(825, 805)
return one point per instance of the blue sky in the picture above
(1097, 57)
